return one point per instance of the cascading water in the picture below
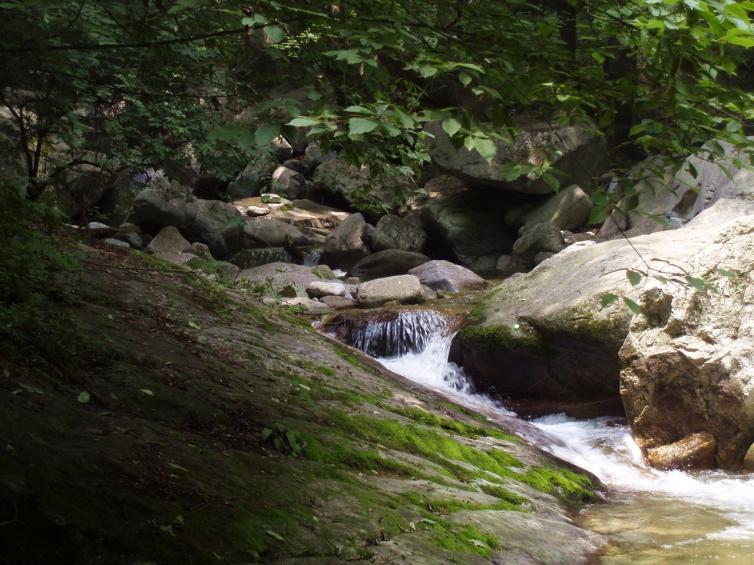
(651, 516)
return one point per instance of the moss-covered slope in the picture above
(184, 422)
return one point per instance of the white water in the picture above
(716, 509)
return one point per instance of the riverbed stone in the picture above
(345, 246)
(393, 232)
(387, 262)
(444, 275)
(285, 279)
(694, 452)
(320, 289)
(405, 289)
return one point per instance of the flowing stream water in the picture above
(650, 516)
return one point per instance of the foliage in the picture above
(206, 81)
(28, 261)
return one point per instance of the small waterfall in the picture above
(391, 333)
(311, 258)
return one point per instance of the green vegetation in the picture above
(455, 426)
(504, 338)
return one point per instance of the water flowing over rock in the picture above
(545, 335)
(390, 333)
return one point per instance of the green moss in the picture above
(435, 446)
(430, 419)
(450, 505)
(504, 338)
(350, 358)
(313, 367)
(503, 494)
(463, 539)
(571, 486)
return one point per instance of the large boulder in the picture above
(345, 246)
(248, 258)
(468, 225)
(255, 177)
(548, 335)
(117, 202)
(216, 223)
(568, 209)
(169, 245)
(280, 278)
(444, 275)
(353, 187)
(405, 289)
(270, 232)
(288, 183)
(305, 214)
(386, 263)
(161, 203)
(393, 232)
(578, 152)
(538, 238)
(688, 361)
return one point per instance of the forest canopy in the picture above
(121, 83)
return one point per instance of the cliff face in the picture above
(187, 422)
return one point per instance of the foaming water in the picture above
(651, 516)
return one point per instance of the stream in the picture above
(650, 516)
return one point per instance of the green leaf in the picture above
(273, 34)
(697, 283)
(725, 272)
(303, 122)
(451, 126)
(607, 299)
(633, 306)
(266, 433)
(486, 148)
(147, 391)
(264, 134)
(464, 78)
(358, 126)
(634, 277)
(84, 397)
(551, 181)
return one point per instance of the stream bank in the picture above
(182, 420)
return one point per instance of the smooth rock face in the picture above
(444, 275)
(255, 177)
(392, 232)
(387, 263)
(169, 240)
(545, 335)
(688, 360)
(468, 225)
(339, 302)
(319, 289)
(567, 210)
(288, 183)
(696, 451)
(508, 265)
(544, 237)
(345, 246)
(405, 289)
(282, 278)
(270, 232)
(112, 242)
(582, 157)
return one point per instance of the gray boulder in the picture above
(345, 246)
(280, 278)
(270, 232)
(386, 263)
(320, 289)
(577, 151)
(393, 232)
(216, 223)
(169, 245)
(444, 275)
(162, 203)
(567, 210)
(468, 225)
(547, 334)
(288, 183)
(405, 289)
(544, 237)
